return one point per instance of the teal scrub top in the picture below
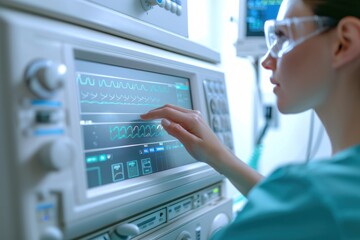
(315, 201)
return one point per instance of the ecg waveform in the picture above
(108, 82)
(97, 90)
(136, 131)
(118, 99)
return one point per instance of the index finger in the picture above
(152, 113)
(181, 109)
(182, 116)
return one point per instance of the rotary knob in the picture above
(45, 77)
(219, 221)
(58, 155)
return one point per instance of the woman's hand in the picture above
(200, 141)
(189, 127)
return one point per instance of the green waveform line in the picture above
(120, 103)
(116, 84)
(143, 131)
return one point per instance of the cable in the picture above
(256, 62)
(254, 160)
(268, 118)
(255, 157)
(258, 94)
(310, 140)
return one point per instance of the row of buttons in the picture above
(173, 6)
(166, 214)
(216, 87)
(219, 111)
(218, 105)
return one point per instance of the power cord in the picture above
(254, 160)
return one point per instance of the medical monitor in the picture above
(81, 162)
(252, 16)
(118, 145)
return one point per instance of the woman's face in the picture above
(301, 77)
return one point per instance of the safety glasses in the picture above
(284, 35)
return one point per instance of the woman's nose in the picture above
(268, 62)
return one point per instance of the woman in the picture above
(314, 55)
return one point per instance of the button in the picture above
(209, 87)
(223, 106)
(213, 106)
(173, 7)
(222, 88)
(216, 124)
(223, 123)
(167, 4)
(47, 117)
(161, 3)
(125, 231)
(228, 141)
(217, 87)
(58, 155)
(179, 10)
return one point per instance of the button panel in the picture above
(218, 109)
(173, 6)
(166, 214)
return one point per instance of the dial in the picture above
(219, 221)
(45, 77)
(58, 155)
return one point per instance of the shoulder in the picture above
(286, 205)
(303, 201)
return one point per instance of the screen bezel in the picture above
(151, 184)
(248, 46)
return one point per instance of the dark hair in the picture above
(336, 9)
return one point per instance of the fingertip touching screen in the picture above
(118, 145)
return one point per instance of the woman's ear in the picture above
(347, 41)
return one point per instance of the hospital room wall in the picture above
(214, 24)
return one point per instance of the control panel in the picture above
(44, 115)
(200, 225)
(218, 109)
(170, 15)
(139, 226)
(173, 6)
(44, 147)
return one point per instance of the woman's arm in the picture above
(199, 140)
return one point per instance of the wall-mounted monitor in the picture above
(252, 16)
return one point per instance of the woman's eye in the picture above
(279, 33)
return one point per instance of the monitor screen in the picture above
(118, 145)
(257, 12)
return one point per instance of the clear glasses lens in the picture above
(283, 36)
